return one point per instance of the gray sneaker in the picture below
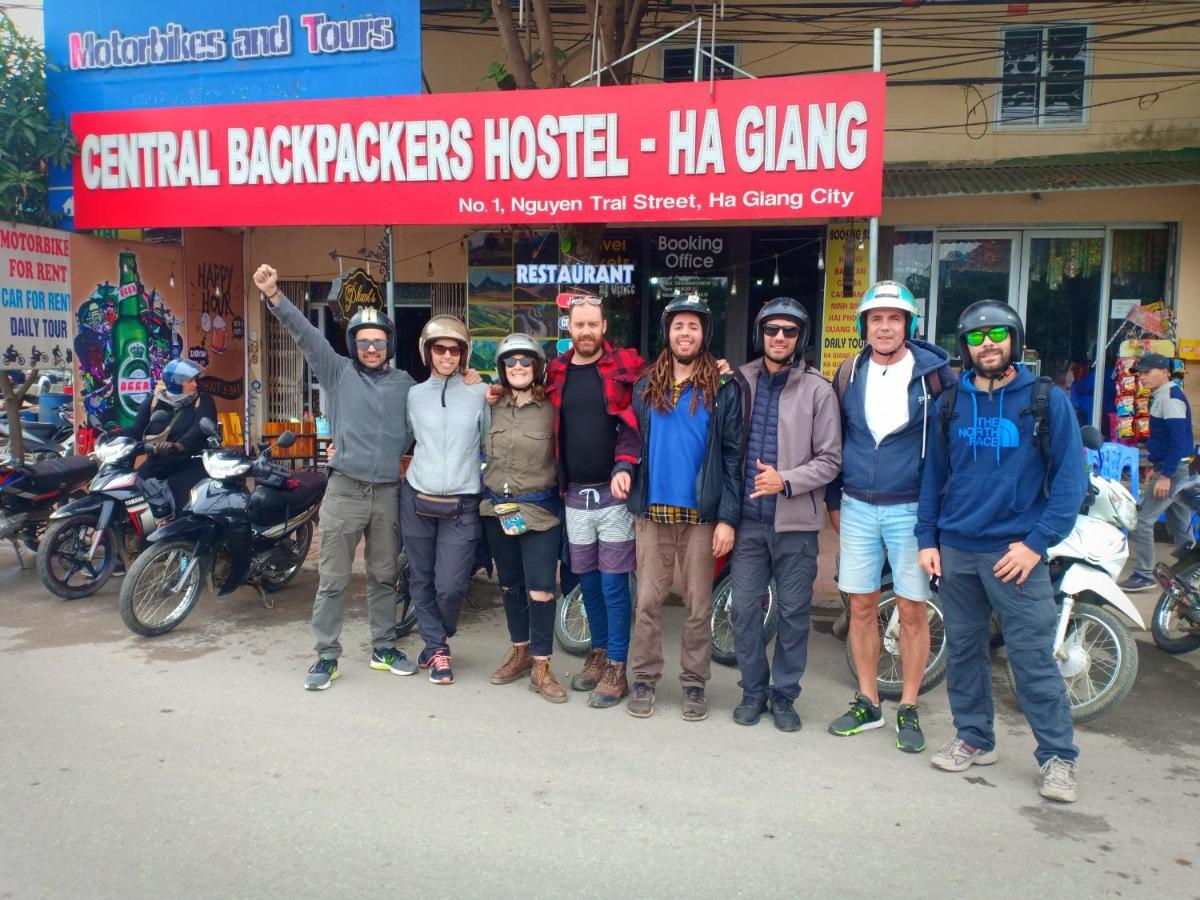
(1059, 781)
(958, 756)
(323, 673)
(389, 659)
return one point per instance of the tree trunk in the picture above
(13, 397)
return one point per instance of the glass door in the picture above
(969, 267)
(1060, 304)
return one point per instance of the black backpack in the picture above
(1039, 405)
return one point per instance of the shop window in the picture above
(1044, 72)
(679, 63)
(912, 266)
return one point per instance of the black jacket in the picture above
(718, 484)
(185, 430)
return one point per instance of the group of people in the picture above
(596, 465)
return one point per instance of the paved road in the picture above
(195, 765)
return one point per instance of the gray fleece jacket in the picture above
(449, 420)
(367, 408)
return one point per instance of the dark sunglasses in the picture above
(371, 344)
(451, 349)
(995, 335)
(789, 331)
(525, 362)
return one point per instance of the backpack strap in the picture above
(841, 378)
(1039, 405)
(948, 413)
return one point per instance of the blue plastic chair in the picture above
(1091, 459)
(1117, 460)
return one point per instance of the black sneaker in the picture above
(863, 715)
(909, 736)
(323, 673)
(786, 717)
(750, 710)
(425, 657)
(439, 667)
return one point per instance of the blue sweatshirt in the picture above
(677, 442)
(994, 476)
(1170, 439)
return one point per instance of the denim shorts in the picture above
(866, 532)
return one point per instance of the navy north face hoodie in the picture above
(993, 479)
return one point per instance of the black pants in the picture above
(523, 563)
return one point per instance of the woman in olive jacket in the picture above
(522, 512)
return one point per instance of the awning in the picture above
(1085, 172)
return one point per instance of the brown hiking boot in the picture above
(641, 703)
(542, 681)
(695, 706)
(612, 687)
(517, 663)
(593, 671)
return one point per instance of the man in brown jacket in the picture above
(793, 434)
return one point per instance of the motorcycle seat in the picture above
(310, 487)
(58, 474)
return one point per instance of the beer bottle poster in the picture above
(215, 336)
(128, 323)
(35, 297)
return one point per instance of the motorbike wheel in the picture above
(891, 676)
(297, 544)
(571, 627)
(1102, 662)
(406, 615)
(149, 605)
(62, 559)
(1170, 632)
(723, 650)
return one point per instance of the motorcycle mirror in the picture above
(285, 440)
(1092, 438)
(208, 426)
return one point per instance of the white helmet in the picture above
(445, 326)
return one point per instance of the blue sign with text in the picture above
(139, 55)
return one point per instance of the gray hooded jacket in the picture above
(368, 409)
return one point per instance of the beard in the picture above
(690, 358)
(995, 369)
(779, 356)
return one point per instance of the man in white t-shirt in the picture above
(887, 395)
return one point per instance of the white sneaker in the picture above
(958, 756)
(1059, 780)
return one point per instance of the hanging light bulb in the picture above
(217, 292)
(306, 297)
(462, 247)
(429, 269)
(733, 287)
(758, 281)
(821, 260)
(172, 279)
(775, 280)
(654, 279)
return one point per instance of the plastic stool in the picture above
(1118, 459)
(1091, 459)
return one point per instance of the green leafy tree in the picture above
(30, 138)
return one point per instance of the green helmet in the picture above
(888, 295)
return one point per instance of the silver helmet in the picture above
(518, 342)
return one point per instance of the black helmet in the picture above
(784, 307)
(694, 304)
(519, 342)
(370, 317)
(984, 314)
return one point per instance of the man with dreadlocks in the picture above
(685, 495)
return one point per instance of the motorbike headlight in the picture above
(114, 451)
(221, 466)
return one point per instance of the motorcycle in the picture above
(120, 511)
(29, 493)
(575, 637)
(226, 532)
(38, 357)
(1175, 623)
(44, 440)
(13, 357)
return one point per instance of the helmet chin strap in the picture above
(992, 379)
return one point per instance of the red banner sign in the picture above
(793, 147)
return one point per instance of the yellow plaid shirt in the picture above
(662, 513)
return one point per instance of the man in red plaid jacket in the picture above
(591, 388)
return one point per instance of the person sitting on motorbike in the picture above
(991, 504)
(522, 512)
(172, 449)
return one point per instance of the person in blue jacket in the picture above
(988, 511)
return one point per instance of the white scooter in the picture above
(1095, 650)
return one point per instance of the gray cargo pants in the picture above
(351, 509)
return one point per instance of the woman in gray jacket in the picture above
(439, 500)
